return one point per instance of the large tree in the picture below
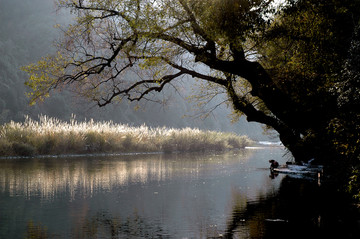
(282, 67)
(308, 50)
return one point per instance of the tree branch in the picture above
(161, 83)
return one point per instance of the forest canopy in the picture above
(291, 67)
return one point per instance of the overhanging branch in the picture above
(159, 85)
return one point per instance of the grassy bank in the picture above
(50, 136)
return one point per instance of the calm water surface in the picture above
(229, 195)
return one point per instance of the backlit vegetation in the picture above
(50, 136)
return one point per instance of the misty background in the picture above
(27, 33)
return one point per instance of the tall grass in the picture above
(52, 136)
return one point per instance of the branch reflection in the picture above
(300, 209)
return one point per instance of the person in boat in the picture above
(273, 164)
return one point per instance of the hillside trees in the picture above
(26, 33)
(279, 67)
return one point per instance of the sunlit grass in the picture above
(50, 136)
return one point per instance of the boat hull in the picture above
(292, 171)
(298, 169)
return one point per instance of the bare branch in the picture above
(160, 85)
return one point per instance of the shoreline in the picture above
(48, 156)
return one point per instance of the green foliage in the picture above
(312, 49)
(41, 81)
(311, 52)
(354, 185)
(306, 46)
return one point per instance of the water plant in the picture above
(51, 136)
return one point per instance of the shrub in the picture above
(5, 147)
(23, 149)
(127, 143)
(94, 142)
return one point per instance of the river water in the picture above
(226, 195)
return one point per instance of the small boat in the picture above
(299, 169)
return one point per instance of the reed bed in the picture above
(51, 136)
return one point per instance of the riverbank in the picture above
(51, 136)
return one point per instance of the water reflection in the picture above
(300, 209)
(36, 231)
(228, 195)
(105, 226)
(47, 178)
